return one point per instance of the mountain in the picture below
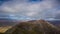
(7, 22)
(34, 27)
(55, 22)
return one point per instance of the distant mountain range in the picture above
(55, 22)
(9, 22)
(5, 22)
(34, 27)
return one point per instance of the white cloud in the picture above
(31, 14)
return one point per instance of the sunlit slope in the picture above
(34, 27)
(3, 29)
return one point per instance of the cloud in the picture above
(32, 10)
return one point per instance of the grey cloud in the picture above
(38, 10)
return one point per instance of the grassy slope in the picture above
(34, 27)
(3, 29)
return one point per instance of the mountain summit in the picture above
(34, 27)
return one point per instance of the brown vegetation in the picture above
(34, 27)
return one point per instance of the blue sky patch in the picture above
(2, 1)
(35, 0)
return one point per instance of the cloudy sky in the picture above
(30, 9)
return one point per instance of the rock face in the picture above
(34, 27)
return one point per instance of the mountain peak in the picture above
(35, 27)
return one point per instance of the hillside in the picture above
(6, 22)
(55, 22)
(34, 27)
(3, 29)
